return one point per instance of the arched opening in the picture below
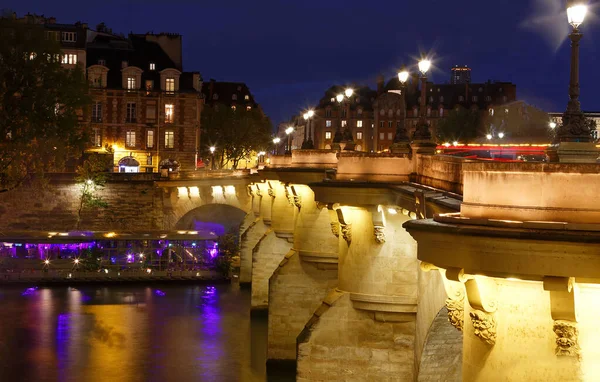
(216, 218)
(129, 164)
(441, 359)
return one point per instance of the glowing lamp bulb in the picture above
(576, 13)
(76, 261)
(424, 66)
(552, 125)
(90, 182)
(500, 135)
(348, 92)
(310, 113)
(305, 116)
(403, 76)
(392, 211)
(488, 136)
(46, 262)
(455, 143)
(339, 97)
(289, 130)
(212, 149)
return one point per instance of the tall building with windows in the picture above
(145, 107)
(460, 75)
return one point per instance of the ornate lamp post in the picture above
(346, 134)
(573, 142)
(289, 132)
(401, 144)
(422, 143)
(308, 142)
(212, 157)
(276, 141)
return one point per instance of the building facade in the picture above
(144, 107)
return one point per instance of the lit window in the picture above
(97, 138)
(248, 108)
(130, 139)
(332, 99)
(488, 98)
(69, 36)
(381, 136)
(359, 123)
(152, 66)
(328, 123)
(149, 85)
(149, 160)
(359, 135)
(169, 113)
(97, 112)
(234, 97)
(233, 108)
(328, 135)
(344, 123)
(390, 136)
(150, 139)
(170, 84)
(491, 111)
(131, 83)
(69, 59)
(169, 139)
(131, 112)
(390, 124)
(247, 97)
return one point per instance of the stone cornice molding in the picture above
(386, 308)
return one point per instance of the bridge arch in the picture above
(217, 218)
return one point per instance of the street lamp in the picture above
(289, 132)
(552, 125)
(500, 135)
(276, 141)
(348, 92)
(212, 157)
(488, 136)
(422, 132)
(574, 127)
(308, 144)
(339, 97)
(401, 139)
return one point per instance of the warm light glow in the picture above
(289, 130)
(229, 190)
(194, 191)
(305, 116)
(63, 234)
(212, 149)
(52, 233)
(576, 13)
(489, 136)
(262, 153)
(500, 135)
(348, 92)
(403, 76)
(76, 261)
(276, 140)
(47, 262)
(339, 97)
(447, 144)
(182, 232)
(148, 270)
(455, 143)
(90, 182)
(424, 66)
(110, 234)
(141, 255)
(552, 125)
(392, 211)
(192, 232)
(310, 113)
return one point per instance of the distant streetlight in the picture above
(348, 92)
(552, 125)
(90, 182)
(422, 132)
(455, 143)
(276, 141)
(424, 66)
(212, 157)
(403, 75)
(289, 132)
(401, 139)
(488, 136)
(339, 97)
(500, 135)
(308, 142)
(310, 113)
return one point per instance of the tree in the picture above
(234, 133)
(91, 177)
(39, 103)
(460, 125)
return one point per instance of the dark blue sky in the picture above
(289, 51)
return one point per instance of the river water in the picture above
(131, 333)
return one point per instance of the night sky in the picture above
(290, 52)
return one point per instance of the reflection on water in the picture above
(131, 333)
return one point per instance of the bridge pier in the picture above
(366, 327)
(305, 275)
(275, 243)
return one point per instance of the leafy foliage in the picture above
(39, 105)
(234, 133)
(460, 125)
(91, 177)
(228, 248)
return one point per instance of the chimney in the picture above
(380, 83)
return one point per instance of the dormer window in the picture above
(124, 64)
(170, 84)
(102, 62)
(247, 97)
(234, 97)
(233, 108)
(131, 83)
(215, 96)
(248, 108)
(152, 66)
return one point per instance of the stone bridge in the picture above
(328, 248)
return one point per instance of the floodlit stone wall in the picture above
(439, 171)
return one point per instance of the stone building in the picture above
(233, 94)
(145, 107)
(374, 115)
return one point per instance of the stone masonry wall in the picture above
(341, 343)
(251, 231)
(131, 205)
(296, 290)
